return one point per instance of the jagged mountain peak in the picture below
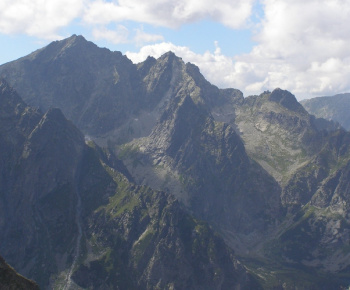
(54, 125)
(54, 114)
(287, 100)
(169, 55)
(75, 48)
(168, 59)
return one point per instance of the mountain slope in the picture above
(277, 131)
(68, 212)
(204, 164)
(40, 187)
(334, 108)
(143, 239)
(260, 170)
(94, 87)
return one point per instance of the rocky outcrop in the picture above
(204, 164)
(11, 280)
(143, 239)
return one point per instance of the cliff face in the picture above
(42, 157)
(204, 164)
(143, 239)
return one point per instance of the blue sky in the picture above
(251, 45)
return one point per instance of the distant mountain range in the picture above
(161, 180)
(334, 108)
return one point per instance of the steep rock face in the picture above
(316, 231)
(204, 164)
(102, 92)
(11, 280)
(42, 177)
(277, 132)
(95, 88)
(331, 158)
(70, 218)
(334, 108)
(143, 239)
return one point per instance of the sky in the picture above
(251, 45)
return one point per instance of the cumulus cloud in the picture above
(121, 34)
(116, 36)
(215, 66)
(301, 46)
(38, 18)
(142, 37)
(170, 13)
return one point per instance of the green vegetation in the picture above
(141, 245)
(123, 200)
(128, 152)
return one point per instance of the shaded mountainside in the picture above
(11, 280)
(277, 131)
(319, 233)
(266, 175)
(102, 92)
(82, 80)
(143, 239)
(204, 164)
(70, 217)
(42, 179)
(334, 108)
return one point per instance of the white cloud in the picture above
(216, 67)
(302, 47)
(41, 18)
(119, 35)
(170, 13)
(142, 37)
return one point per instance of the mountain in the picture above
(156, 91)
(277, 131)
(143, 239)
(204, 164)
(221, 190)
(70, 212)
(101, 91)
(10, 279)
(42, 179)
(334, 108)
